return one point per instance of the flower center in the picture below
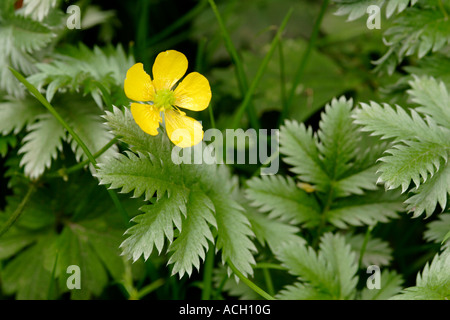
(164, 99)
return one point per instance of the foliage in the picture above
(359, 150)
(421, 148)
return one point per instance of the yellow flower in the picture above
(192, 93)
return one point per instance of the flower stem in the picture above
(249, 283)
(80, 142)
(301, 68)
(18, 212)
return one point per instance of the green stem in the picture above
(207, 274)
(303, 63)
(63, 172)
(444, 12)
(150, 288)
(364, 245)
(219, 289)
(266, 265)
(282, 74)
(249, 283)
(17, 213)
(269, 283)
(323, 216)
(262, 68)
(240, 73)
(80, 142)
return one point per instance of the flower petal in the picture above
(147, 117)
(182, 130)
(193, 93)
(169, 67)
(138, 85)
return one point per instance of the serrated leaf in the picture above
(377, 251)
(80, 68)
(366, 210)
(272, 232)
(388, 123)
(299, 145)
(355, 9)
(191, 245)
(428, 195)
(341, 258)
(338, 137)
(432, 96)
(390, 285)
(41, 145)
(18, 113)
(415, 161)
(433, 283)
(233, 233)
(38, 9)
(283, 199)
(329, 274)
(154, 226)
(437, 231)
(156, 172)
(300, 291)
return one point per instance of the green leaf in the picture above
(21, 38)
(428, 195)
(355, 9)
(365, 210)
(338, 137)
(18, 113)
(5, 143)
(27, 275)
(153, 171)
(283, 199)
(390, 285)
(437, 231)
(272, 231)
(233, 232)
(341, 258)
(432, 96)
(388, 123)
(299, 145)
(329, 274)
(80, 68)
(189, 247)
(39, 9)
(84, 118)
(74, 249)
(300, 291)
(13, 242)
(123, 125)
(41, 145)
(414, 161)
(377, 251)
(433, 283)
